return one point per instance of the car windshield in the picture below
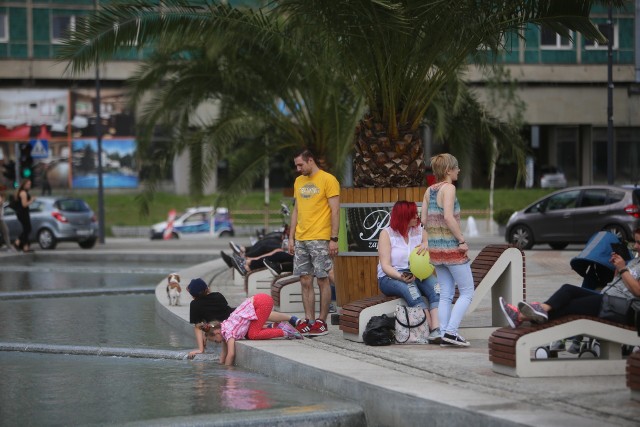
(72, 205)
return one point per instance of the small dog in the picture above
(173, 289)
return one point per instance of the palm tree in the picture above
(250, 63)
(402, 53)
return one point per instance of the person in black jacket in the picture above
(206, 307)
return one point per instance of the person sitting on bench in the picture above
(394, 278)
(576, 300)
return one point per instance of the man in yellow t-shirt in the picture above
(313, 237)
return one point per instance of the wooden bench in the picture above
(633, 375)
(510, 350)
(259, 281)
(497, 269)
(287, 294)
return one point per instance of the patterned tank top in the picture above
(443, 246)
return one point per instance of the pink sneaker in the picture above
(510, 313)
(289, 331)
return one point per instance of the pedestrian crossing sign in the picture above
(39, 148)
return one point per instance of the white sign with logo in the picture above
(364, 221)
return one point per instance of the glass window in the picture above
(196, 218)
(593, 197)
(615, 196)
(549, 39)
(60, 26)
(72, 205)
(565, 200)
(4, 27)
(604, 29)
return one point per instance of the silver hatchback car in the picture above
(57, 219)
(574, 214)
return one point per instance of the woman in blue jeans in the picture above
(447, 247)
(395, 244)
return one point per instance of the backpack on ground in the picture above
(380, 330)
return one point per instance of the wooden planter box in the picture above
(355, 276)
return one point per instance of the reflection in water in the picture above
(238, 394)
(57, 390)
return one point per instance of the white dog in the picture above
(173, 289)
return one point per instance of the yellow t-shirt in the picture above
(314, 213)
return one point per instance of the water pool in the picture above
(62, 388)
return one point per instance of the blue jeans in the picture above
(394, 287)
(449, 276)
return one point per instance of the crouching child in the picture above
(248, 321)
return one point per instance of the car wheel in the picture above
(558, 246)
(175, 235)
(87, 244)
(617, 230)
(46, 239)
(521, 237)
(226, 234)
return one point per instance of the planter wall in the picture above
(356, 275)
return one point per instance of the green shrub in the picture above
(502, 216)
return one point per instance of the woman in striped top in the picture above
(447, 247)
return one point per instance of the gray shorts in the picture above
(311, 257)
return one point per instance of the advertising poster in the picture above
(64, 122)
(118, 163)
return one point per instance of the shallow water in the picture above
(70, 389)
(115, 321)
(61, 390)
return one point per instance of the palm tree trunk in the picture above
(381, 161)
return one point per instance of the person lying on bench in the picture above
(394, 278)
(244, 265)
(575, 300)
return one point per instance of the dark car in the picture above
(574, 214)
(57, 219)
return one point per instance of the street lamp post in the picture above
(99, 143)
(610, 159)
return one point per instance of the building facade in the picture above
(564, 85)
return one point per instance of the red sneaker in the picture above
(303, 327)
(318, 328)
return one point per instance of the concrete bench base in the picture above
(287, 295)
(510, 350)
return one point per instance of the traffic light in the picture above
(26, 161)
(10, 172)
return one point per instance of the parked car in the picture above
(197, 221)
(57, 219)
(574, 214)
(552, 177)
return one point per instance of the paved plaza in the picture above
(402, 385)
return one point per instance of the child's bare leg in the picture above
(276, 316)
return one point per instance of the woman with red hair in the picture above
(395, 244)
